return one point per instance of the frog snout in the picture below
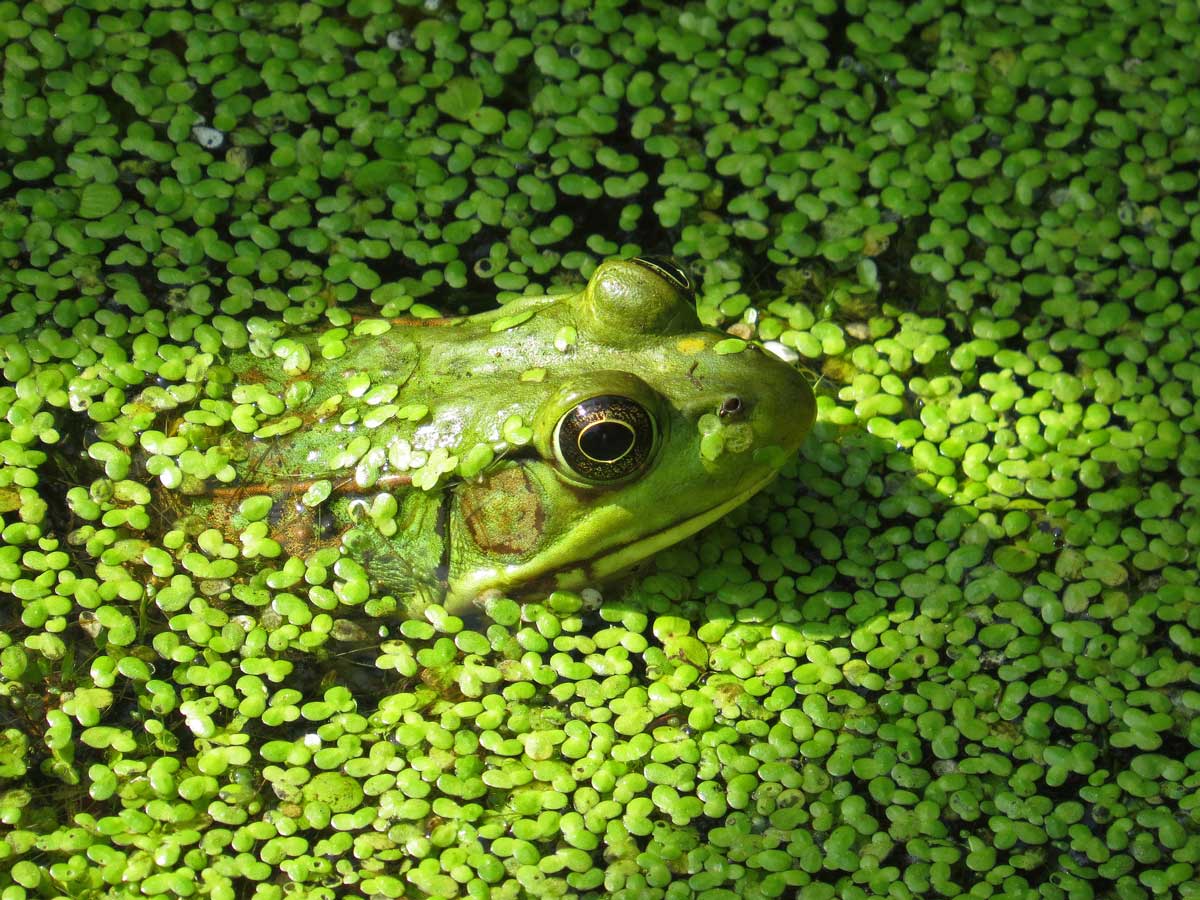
(759, 399)
(784, 409)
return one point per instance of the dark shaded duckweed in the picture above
(950, 653)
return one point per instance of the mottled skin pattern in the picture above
(526, 522)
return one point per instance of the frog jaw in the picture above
(561, 571)
(624, 558)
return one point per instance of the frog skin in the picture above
(548, 444)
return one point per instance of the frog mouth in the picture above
(601, 567)
(575, 575)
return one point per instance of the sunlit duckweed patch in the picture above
(951, 652)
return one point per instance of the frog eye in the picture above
(605, 439)
(668, 269)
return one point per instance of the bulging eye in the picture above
(668, 269)
(605, 439)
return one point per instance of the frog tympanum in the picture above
(550, 443)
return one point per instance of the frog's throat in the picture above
(583, 573)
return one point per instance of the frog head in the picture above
(652, 429)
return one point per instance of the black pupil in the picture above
(606, 441)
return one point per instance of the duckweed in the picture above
(950, 652)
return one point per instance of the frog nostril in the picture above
(730, 406)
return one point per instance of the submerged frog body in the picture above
(551, 443)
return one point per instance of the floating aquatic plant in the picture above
(951, 652)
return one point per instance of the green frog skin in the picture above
(549, 444)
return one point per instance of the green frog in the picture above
(552, 443)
